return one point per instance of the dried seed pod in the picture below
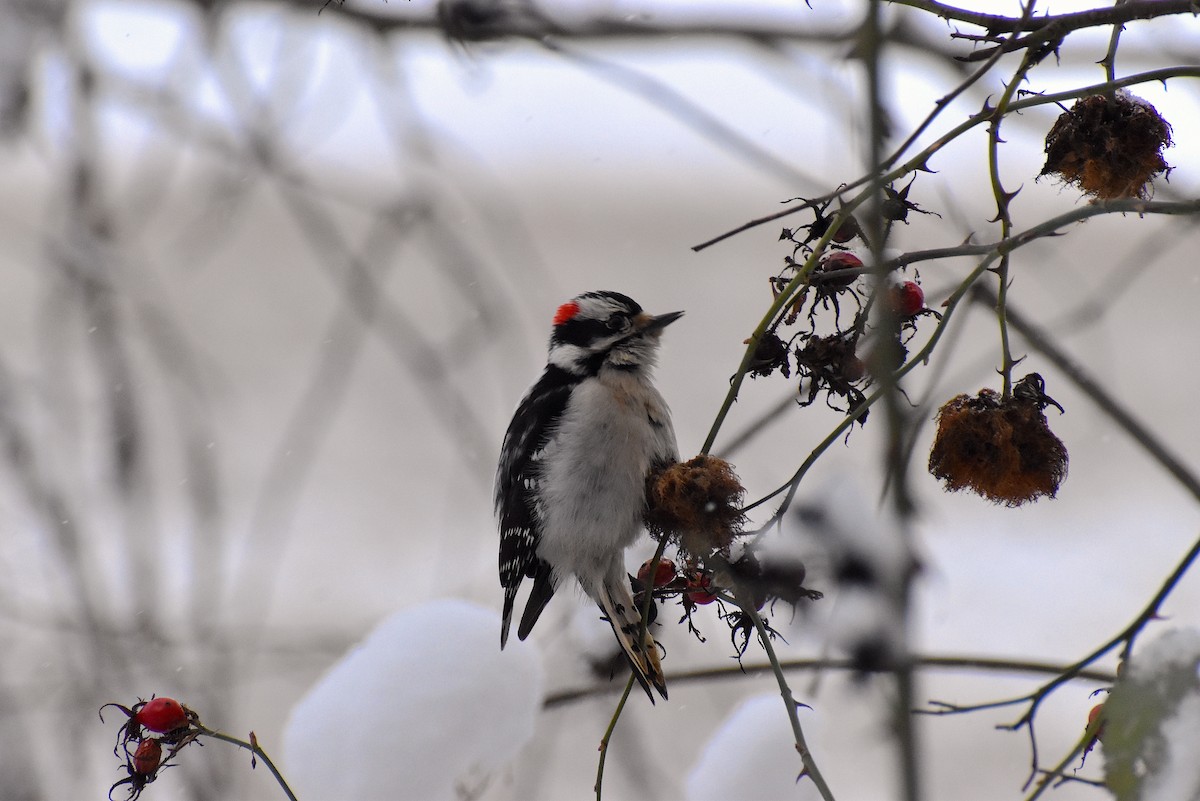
(849, 229)
(698, 502)
(1000, 448)
(770, 354)
(1109, 147)
(831, 364)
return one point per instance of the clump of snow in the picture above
(867, 625)
(1125, 94)
(752, 755)
(591, 635)
(775, 547)
(426, 702)
(870, 561)
(1180, 773)
(1175, 653)
(1152, 722)
(858, 534)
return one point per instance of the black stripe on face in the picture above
(600, 315)
(581, 331)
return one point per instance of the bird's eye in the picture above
(617, 322)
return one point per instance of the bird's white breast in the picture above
(593, 473)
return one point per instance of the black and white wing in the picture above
(516, 497)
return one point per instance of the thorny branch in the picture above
(1094, 391)
(979, 664)
(1125, 638)
(996, 24)
(478, 21)
(810, 765)
(920, 161)
(1003, 200)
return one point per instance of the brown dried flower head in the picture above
(698, 502)
(1110, 147)
(1000, 448)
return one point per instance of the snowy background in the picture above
(274, 282)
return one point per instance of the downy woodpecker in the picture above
(570, 488)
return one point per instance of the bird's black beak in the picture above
(648, 323)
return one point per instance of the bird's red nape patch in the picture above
(566, 312)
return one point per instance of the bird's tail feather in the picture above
(618, 605)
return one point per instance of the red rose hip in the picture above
(663, 574)
(907, 299)
(699, 589)
(1095, 712)
(837, 261)
(162, 715)
(147, 757)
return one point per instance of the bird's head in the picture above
(605, 329)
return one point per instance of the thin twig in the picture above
(612, 724)
(985, 664)
(810, 765)
(996, 24)
(647, 603)
(1003, 200)
(384, 19)
(1124, 638)
(1059, 770)
(1109, 62)
(254, 748)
